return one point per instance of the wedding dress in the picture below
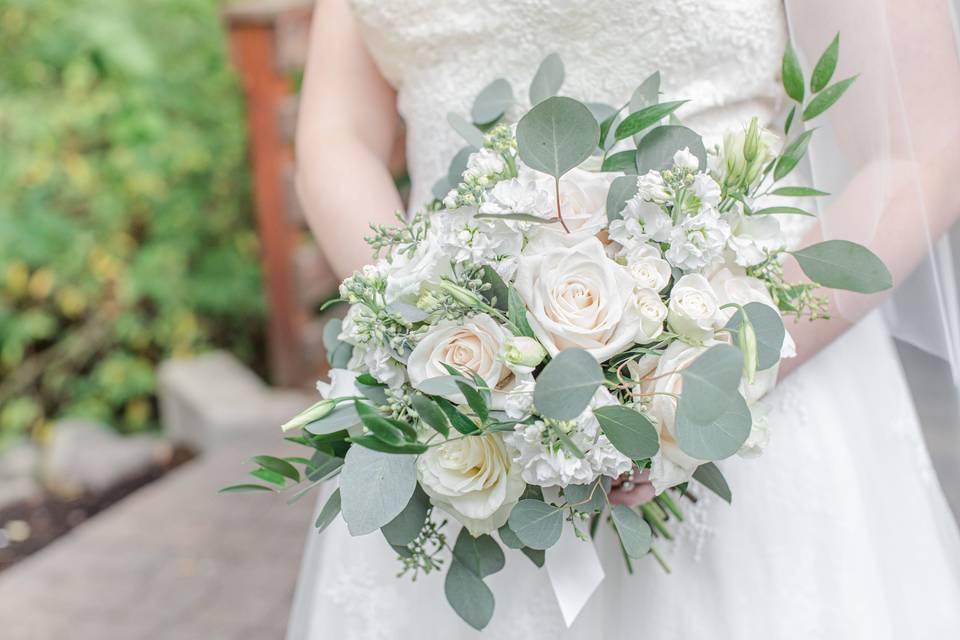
(838, 531)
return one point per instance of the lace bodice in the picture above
(724, 55)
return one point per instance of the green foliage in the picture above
(567, 384)
(841, 264)
(125, 225)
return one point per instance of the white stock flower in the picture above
(523, 194)
(694, 311)
(577, 297)
(464, 238)
(473, 479)
(698, 241)
(648, 269)
(519, 399)
(753, 237)
(706, 189)
(405, 274)
(482, 165)
(472, 345)
(652, 313)
(650, 186)
(551, 465)
(683, 159)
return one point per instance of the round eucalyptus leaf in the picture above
(375, 487)
(458, 165)
(840, 264)
(468, 595)
(710, 382)
(647, 93)
(537, 524)
(768, 327)
(600, 110)
(557, 135)
(621, 189)
(482, 555)
(634, 532)
(343, 417)
(567, 384)
(655, 150)
(405, 528)
(548, 79)
(629, 431)
(467, 130)
(709, 476)
(492, 102)
(509, 538)
(331, 333)
(718, 438)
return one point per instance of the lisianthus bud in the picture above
(314, 413)
(748, 345)
(751, 143)
(523, 351)
(461, 295)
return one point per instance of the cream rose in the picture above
(648, 269)
(578, 297)
(473, 345)
(652, 313)
(472, 479)
(694, 311)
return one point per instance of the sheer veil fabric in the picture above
(840, 529)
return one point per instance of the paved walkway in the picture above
(175, 560)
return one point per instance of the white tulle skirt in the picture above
(838, 531)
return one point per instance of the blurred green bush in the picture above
(125, 225)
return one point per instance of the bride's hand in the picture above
(632, 489)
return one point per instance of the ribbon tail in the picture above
(575, 573)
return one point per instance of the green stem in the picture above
(651, 517)
(665, 500)
(659, 558)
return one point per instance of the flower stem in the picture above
(556, 184)
(659, 558)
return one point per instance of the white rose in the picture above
(583, 202)
(652, 313)
(648, 269)
(752, 238)
(694, 311)
(472, 479)
(473, 345)
(578, 297)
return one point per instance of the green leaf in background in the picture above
(468, 595)
(792, 155)
(266, 475)
(601, 111)
(768, 327)
(710, 382)
(709, 476)
(840, 264)
(537, 556)
(634, 532)
(467, 130)
(548, 79)
(376, 393)
(431, 414)
(509, 538)
(439, 386)
(243, 488)
(655, 151)
(322, 465)
(629, 431)
(492, 102)
(825, 66)
(278, 465)
(587, 498)
(331, 509)
(440, 188)
(343, 417)
(474, 400)
(460, 422)
(481, 555)
(625, 161)
(798, 192)
(792, 74)
(405, 528)
(557, 135)
(567, 384)
(606, 125)
(458, 165)
(498, 294)
(379, 425)
(767, 211)
(376, 444)
(375, 487)
(648, 93)
(331, 331)
(789, 121)
(536, 523)
(517, 313)
(621, 189)
(645, 117)
(718, 438)
(826, 98)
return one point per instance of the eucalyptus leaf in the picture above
(768, 327)
(621, 189)
(709, 476)
(375, 487)
(537, 556)
(440, 386)
(440, 188)
(509, 538)
(840, 264)
(331, 332)
(601, 111)
(458, 165)
(629, 431)
(826, 98)
(719, 438)
(768, 211)
(710, 382)
(376, 444)
(492, 102)
(322, 465)
(340, 356)
(536, 523)
(585, 498)
(468, 595)
(408, 312)
(634, 532)
(467, 130)
(376, 393)
(825, 66)
(405, 528)
(431, 414)
(792, 155)
(343, 417)
(792, 74)
(331, 509)
(557, 135)
(648, 93)
(798, 192)
(498, 294)
(655, 151)
(567, 384)
(645, 117)
(481, 555)
(625, 161)
(548, 79)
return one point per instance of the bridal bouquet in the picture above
(581, 323)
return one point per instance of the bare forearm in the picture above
(345, 187)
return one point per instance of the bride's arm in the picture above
(917, 182)
(345, 134)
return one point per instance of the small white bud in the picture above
(523, 351)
